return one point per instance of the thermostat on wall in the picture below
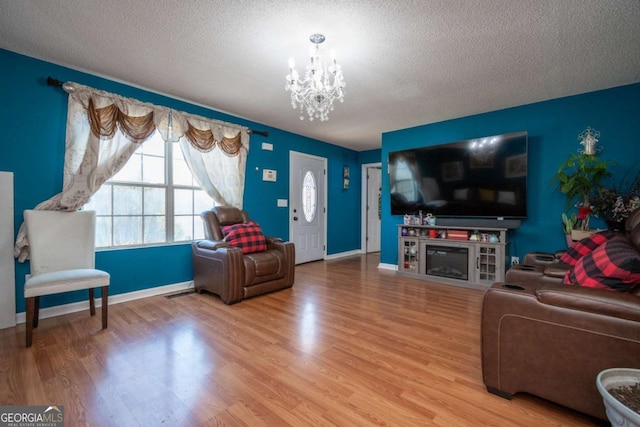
(269, 175)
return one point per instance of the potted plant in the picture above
(578, 178)
(620, 390)
(568, 224)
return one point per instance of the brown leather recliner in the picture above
(546, 267)
(226, 271)
(552, 340)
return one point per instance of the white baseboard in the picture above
(113, 299)
(343, 254)
(392, 267)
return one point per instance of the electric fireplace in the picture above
(447, 261)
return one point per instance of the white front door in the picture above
(374, 189)
(307, 210)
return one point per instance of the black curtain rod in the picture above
(55, 82)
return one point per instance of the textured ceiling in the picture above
(406, 63)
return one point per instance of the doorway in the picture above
(307, 209)
(371, 207)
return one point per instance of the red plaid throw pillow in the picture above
(614, 266)
(247, 236)
(586, 246)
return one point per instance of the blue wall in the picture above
(33, 118)
(553, 127)
(370, 156)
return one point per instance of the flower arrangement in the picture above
(614, 204)
(582, 218)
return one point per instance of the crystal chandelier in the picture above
(322, 84)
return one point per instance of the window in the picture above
(152, 200)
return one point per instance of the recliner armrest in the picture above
(211, 244)
(558, 254)
(607, 303)
(278, 244)
(558, 271)
(539, 258)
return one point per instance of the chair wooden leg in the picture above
(92, 302)
(29, 320)
(36, 311)
(105, 305)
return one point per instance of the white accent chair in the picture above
(62, 253)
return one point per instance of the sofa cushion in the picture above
(247, 236)
(586, 246)
(614, 265)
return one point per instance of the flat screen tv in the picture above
(482, 177)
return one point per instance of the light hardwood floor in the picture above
(349, 345)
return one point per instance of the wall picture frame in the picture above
(345, 178)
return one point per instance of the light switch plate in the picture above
(282, 203)
(267, 146)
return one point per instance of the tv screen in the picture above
(482, 177)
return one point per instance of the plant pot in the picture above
(581, 234)
(619, 415)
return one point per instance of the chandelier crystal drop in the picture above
(323, 83)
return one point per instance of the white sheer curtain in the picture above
(215, 152)
(104, 130)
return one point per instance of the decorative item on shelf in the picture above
(407, 220)
(322, 84)
(458, 235)
(615, 203)
(579, 178)
(433, 233)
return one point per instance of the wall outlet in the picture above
(515, 260)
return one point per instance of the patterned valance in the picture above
(138, 120)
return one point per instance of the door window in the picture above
(309, 196)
